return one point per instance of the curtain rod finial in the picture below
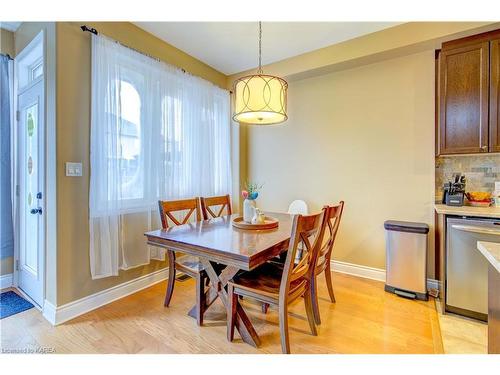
(91, 29)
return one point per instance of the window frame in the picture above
(32, 68)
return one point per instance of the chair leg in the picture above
(309, 311)
(328, 276)
(231, 312)
(200, 298)
(264, 307)
(314, 300)
(283, 318)
(171, 277)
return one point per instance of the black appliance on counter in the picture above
(454, 191)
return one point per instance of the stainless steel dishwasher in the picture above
(466, 268)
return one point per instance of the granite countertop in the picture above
(491, 252)
(491, 211)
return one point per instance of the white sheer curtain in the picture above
(156, 133)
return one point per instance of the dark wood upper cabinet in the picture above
(464, 93)
(495, 95)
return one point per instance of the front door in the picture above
(31, 195)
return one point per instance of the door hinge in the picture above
(18, 190)
(18, 116)
(17, 264)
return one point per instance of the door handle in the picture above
(480, 230)
(35, 211)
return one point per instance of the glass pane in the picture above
(31, 178)
(36, 71)
(127, 156)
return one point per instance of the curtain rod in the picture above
(95, 32)
(85, 28)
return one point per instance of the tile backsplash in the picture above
(481, 171)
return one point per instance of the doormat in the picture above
(11, 303)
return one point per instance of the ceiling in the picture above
(232, 47)
(11, 26)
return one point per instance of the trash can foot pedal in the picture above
(405, 294)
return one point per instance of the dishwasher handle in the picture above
(473, 229)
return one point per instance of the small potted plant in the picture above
(250, 194)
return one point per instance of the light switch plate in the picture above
(73, 169)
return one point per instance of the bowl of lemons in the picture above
(479, 198)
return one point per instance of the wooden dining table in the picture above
(224, 250)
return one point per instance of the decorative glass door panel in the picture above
(31, 184)
(30, 170)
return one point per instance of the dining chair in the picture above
(280, 284)
(191, 266)
(333, 214)
(298, 207)
(208, 205)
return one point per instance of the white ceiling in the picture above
(232, 47)
(11, 26)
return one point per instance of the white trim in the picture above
(49, 312)
(358, 270)
(6, 280)
(57, 315)
(371, 273)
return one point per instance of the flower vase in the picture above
(248, 210)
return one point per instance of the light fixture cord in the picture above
(260, 71)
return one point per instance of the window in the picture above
(127, 153)
(29, 63)
(156, 133)
(36, 70)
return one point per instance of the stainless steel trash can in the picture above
(406, 259)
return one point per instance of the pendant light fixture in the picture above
(260, 99)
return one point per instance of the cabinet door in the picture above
(464, 99)
(495, 95)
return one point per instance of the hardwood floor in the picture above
(462, 335)
(365, 319)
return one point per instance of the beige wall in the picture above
(7, 42)
(73, 131)
(6, 47)
(6, 266)
(365, 136)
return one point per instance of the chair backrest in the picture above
(308, 230)
(333, 214)
(167, 208)
(298, 207)
(208, 205)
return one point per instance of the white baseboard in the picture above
(49, 312)
(358, 270)
(6, 281)
(60, 314)
(369, 272)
